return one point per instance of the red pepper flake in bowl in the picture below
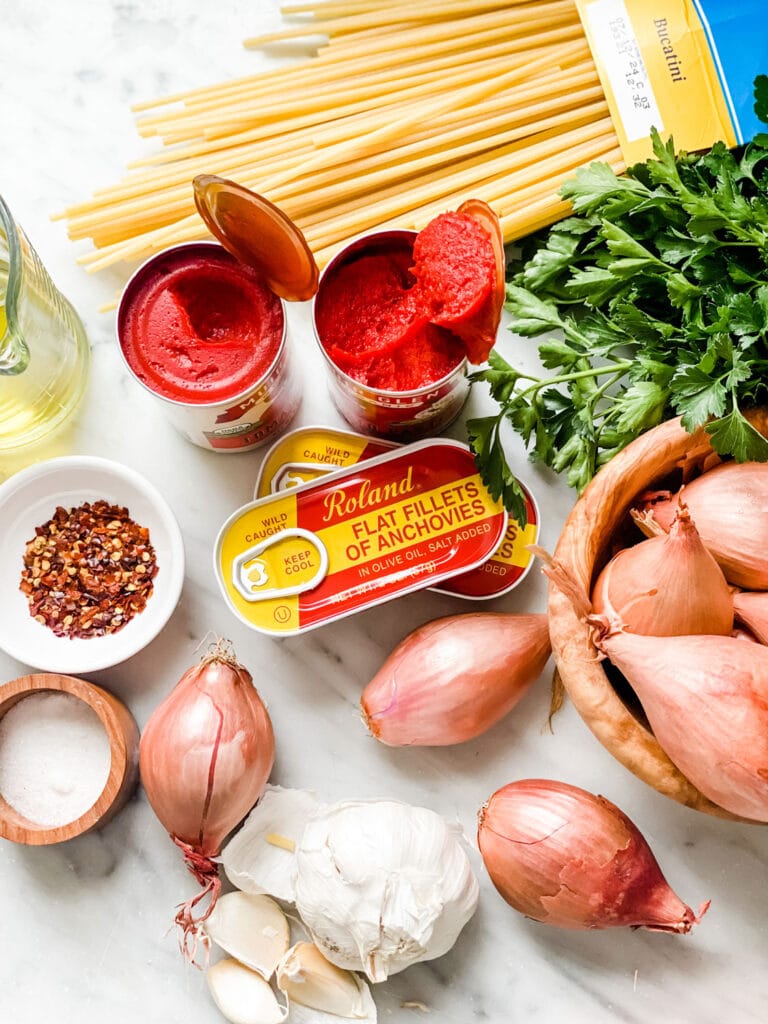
(88, 570)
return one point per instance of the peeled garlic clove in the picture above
(242, 995)
(251, 928)
(308, 978)
(260, 858)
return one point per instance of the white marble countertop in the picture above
(84, 925)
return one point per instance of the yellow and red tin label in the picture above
(402, 521)
(311, 452)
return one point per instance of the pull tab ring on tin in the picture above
(254, 576)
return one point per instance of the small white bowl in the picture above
(29, 499)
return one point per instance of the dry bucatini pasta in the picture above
(406, 111)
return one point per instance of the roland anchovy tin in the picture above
(311, 452)
(404, 520)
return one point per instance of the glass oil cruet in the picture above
(44, 351)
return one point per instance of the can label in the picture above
(404, 520)
(508, 564)
(311, 452)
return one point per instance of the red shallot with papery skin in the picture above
(751, 610)
(567, 858)
(706, 699)
(453, 678)
(205, 756)
(668, 585)
(729, 505)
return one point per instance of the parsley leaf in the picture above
(650, 301)
(485, 442)
(735, 435)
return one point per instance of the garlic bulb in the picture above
(379, 884)
(382, 885)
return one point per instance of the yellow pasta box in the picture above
(685, 67)
(311, 452)
(407, 519)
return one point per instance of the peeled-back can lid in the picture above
(258, 234)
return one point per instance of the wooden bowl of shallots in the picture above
(600, 524)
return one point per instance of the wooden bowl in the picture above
(123, 734)
(585, 545)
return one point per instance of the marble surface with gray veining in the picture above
(84, 926)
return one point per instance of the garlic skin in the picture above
(308, 978)
(382, 885)
(242, 995)
(253, 860)
(252, 929)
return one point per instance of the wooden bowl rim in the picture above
(121, 731)
(651, 457)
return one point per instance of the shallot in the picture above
(453, 678)
(205, 756)
(668, 585)
(751, 610)
(729, 505)
(706, 699)
(563, 856)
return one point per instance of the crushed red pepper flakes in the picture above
(88, 570)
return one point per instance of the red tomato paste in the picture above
(372, 326)
(394, 318)
(201, 328)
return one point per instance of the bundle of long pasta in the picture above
(405, 111)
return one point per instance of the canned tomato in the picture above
(203, 326)
(399, 313)
(402, 391)
(311, 452)
(402, 521)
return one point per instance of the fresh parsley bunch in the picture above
(654, 299)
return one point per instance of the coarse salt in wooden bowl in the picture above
(122, 735)
(664, 456)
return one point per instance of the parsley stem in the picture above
(617, 370)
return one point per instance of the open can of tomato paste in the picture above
(203, 326)
(390, 374)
